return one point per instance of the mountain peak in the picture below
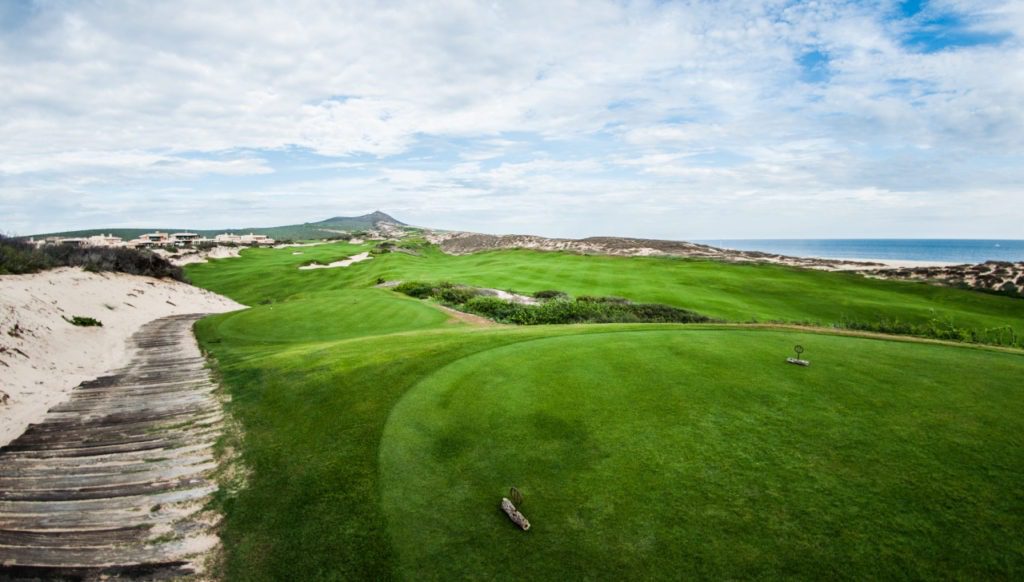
(373, 218)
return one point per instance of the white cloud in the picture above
(667, 110)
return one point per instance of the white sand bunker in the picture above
(342, 263)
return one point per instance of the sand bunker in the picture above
(42, 356)
(343, 263)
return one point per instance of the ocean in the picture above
(940, 250)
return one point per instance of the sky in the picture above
(679, 120)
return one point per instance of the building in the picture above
(256, 239)
(104, 240)
(186, 239)
(228, 239)
(151, 239)
(243, 239)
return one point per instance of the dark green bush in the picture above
(656, 312)
(18, 257)
(494, 308)
(417, 289)
(455, 295)
(566, 311)
(84, 321)
(556, 309)
(600, 299)
(550, 294)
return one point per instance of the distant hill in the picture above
(304, 231)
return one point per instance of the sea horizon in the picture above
(905, 249)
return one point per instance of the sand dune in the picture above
(189, 256)
(42, 356)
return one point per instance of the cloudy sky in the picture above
(683, 120)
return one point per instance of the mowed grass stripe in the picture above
(330, 315)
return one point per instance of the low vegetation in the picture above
(82, 321)
(556, 308)
(19, 257)
(946, 329)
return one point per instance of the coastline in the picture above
(886, 263)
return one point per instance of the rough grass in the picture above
(643, 451)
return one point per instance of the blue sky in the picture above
(682, 120)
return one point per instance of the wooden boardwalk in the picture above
(113, 481)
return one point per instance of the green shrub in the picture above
(455, 295)
(417, 289)
(599, 299)
(567, 311)
(494, 308)
(550, 294)
(84, 321)
(17, 257)
(656, 312)
(556, 309)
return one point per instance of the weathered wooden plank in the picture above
(80, 491)
(74, 538)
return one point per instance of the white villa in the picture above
(243, 239)
(157, 239)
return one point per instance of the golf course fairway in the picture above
(701, 454)
(376, 436)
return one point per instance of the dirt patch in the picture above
(474, 320)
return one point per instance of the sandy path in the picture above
(118, 475)
(42, 356)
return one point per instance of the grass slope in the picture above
(645, 451)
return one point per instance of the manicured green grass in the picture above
(733, 292)
(330, 315)
(701, 454)
(380, 437)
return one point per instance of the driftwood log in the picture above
(513, 514)
(798, 361)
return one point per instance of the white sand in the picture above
(342, 263)
(41, 363)
(510, 297)
(292, 245)
(891, 264)
(190, 256)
